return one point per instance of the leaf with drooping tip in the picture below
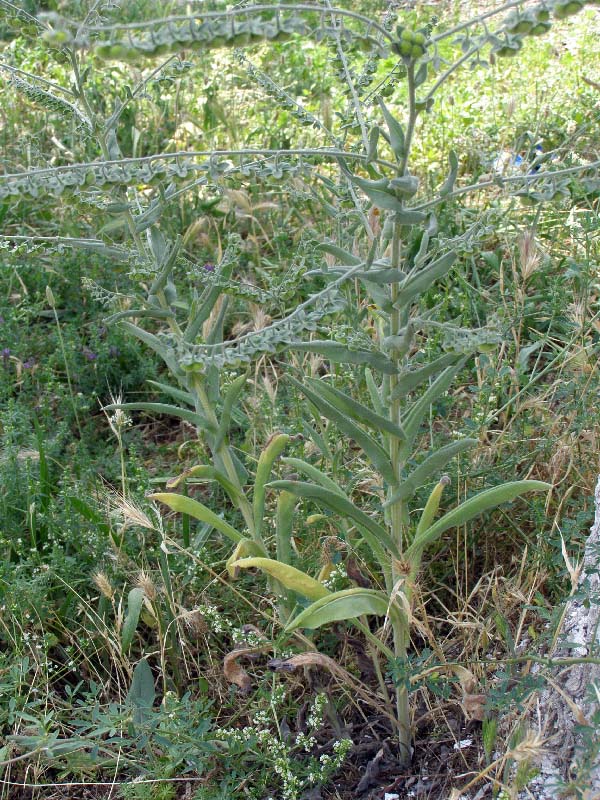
(185, 505)
(473, 507)
(290, 577)
(263, 471)
(135, 600)
(338, 606)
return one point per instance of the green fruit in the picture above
(102, 50)
(509, 50)
(527, 200)
(406, 49)
(522, 26)
(417, 51)
(563, 10)
(407, 35)
(540, 28)
(542, 14)
(56, 38)
(121, 52)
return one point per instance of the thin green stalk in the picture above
(50, 297)
(222, 455)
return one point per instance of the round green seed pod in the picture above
(405, 49)
(521, 26)
(527, 200)
(540, 28)
(407, 35)
(56, 38)
(121, 52)
(568, 9)
(417, 51)
(102, 51)
(542, 14)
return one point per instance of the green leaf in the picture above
(185, 505)
(377, 536)
(206, 472)
(135, 600)
(316, 475)
(421, 75)
(410, 379)
(358, 411)
(340, 354)
(243, 549)
(154, 343)
(163, 408)
(490, 498)
(347, 604)
(395, 131)
(413, 419)
(290, 577)
(409, 216)
(433, 463)
(373, 140)
(372, 449)
(342, 255)
(284, 526)
(231, 397)
(374, 392)
(263, 471)
(177, 394)
(448, 185)
(418, 283)
(142, 692)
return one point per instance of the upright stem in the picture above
(222, 456)
(398, 512)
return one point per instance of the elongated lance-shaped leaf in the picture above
(433, 463)
(284, 526)
(175, 393)
(373, 450)
(448, 185)
(263, 471)
(338, 606)
(431, 506)
(185, 505)
(150, 313)
(473, 507)
(154, 343)
(316, 475)
(410, 379)
(231, 396)
(418, 283)
(245, 548)
(395, 132)
(376, 535)
(290, 577)
(413, 419)
(340, 354)
(206, 304)
(164, 408)
(374, 392)
(358, 411)
(135, 600)
(205, 472)
(342, 255)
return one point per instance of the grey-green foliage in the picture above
(387, 241)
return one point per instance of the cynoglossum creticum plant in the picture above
(396, 256)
